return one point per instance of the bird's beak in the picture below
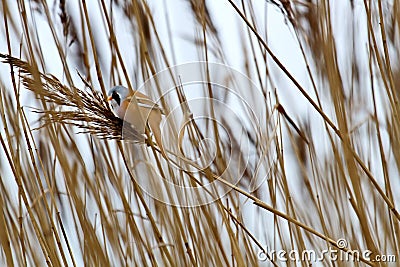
(109, 98)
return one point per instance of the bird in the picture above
(137, 113)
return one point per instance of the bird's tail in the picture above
(154, 123)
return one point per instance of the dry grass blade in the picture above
(294, 150)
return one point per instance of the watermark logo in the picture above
(213, 119)
(333, 254)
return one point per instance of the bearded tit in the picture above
(138, 113)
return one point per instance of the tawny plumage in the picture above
(138, 112)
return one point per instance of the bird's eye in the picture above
(117, 98)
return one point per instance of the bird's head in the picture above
(117, 94)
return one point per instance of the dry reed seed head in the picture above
(64, 17)
(107, 219)
(89, 110)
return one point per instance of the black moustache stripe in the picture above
(117, 98)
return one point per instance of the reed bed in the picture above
(259, 159)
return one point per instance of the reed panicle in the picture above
(296, 151)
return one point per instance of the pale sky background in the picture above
(281, 40)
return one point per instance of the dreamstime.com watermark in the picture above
(330, 254)
(199, 128)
